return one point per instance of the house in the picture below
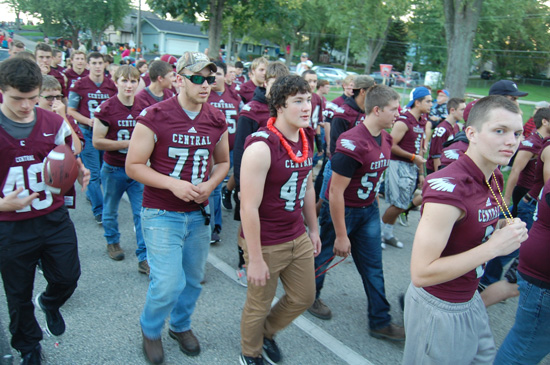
(172, 37)
(127, 32)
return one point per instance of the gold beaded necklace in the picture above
(510, 219)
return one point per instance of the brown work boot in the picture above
(189, 344)
(320, 310)
(390, 332)
(115, 252)
(152, 349)
(143, 267)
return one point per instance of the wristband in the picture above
(413, 156)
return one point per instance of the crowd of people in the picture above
(168, 133)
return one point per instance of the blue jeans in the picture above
(494, 268)
(528, 342)
(177, 247)
(215, 203)
(93, 159)
(327, 173)
(115, 183)
(363, 227)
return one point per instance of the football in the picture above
(60, 170)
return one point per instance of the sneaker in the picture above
(404, 219)
(383, 245)
(402, 301)
(187, 341)
(393, 242)
(215, 237)
(54, 319)
(99, 219)
(152, 349)
(241, 277)
(320, 310)
(226, 198)
(115, 252)
(33, 357)
(271, 351)
(143, 267)
(249, 360)
(390, 332)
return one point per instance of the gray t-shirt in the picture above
(15, 129)
(158, 99)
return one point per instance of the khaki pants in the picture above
(292, 262)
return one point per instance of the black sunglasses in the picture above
(51, 97)
(199, 79)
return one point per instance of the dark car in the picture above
(487, 75)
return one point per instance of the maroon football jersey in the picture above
(462, 184)
(538, 181)
(443, 133)
(360, 145)
(146, 79)
(317, 108)
(451, 153)
(21, 164)
(412, 140)
(532, 144)
(339, 101)
(256, 111)
(228, 104)
(59, 77)
(183, 149)
(534, 254)
(91, 95)
(145, 100)
(73, 77)
(121, 121)
(352, 116)
(285, 188)
(239, 80)
(246, 90)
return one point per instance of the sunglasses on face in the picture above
(51, 97)
(199, 79)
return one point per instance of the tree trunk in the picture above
(374, 46)
(215, 27)
(461, 19)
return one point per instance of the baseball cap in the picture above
(170, 59)
(194, 62)
(418, 93)
(304, 54)
(542, 104)
(444, 92)
(468, 109)
(362, 82)
(506, 87)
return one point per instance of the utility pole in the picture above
(347, 50)
(138, 51)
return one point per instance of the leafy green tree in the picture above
(395, 49)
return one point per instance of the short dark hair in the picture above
(284, 87)
(454, 103)
(139, 64)
(159, 68)
(380, 96)
(221, 65)
(239, 64)
(308, 72)
(17, 44)
(108, 58)
(321, 83)
(542, 113)
(43, 47)
(480, 111)
(95, 55)
(55, 52)
(21, 74)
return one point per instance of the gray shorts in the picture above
(401, 179)
(440, 332)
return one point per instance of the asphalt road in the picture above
(102, 316)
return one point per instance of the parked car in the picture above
(332, 75)
(4, 54)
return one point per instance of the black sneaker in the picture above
(271, 351)
(34, 357)
(226, 198)
(99, 219)
(215, 237)
(54, 320)
(248, 360)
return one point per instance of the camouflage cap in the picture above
(194, 62)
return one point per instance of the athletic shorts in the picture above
(400, 180)
(444, 333)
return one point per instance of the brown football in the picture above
(60, 170)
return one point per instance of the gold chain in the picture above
(509, 220)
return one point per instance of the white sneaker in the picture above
(383, 245)
(393, 242)
(241, 277)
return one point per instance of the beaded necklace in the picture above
(305, 146)
(510, 219)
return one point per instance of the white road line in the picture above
(310, 328)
